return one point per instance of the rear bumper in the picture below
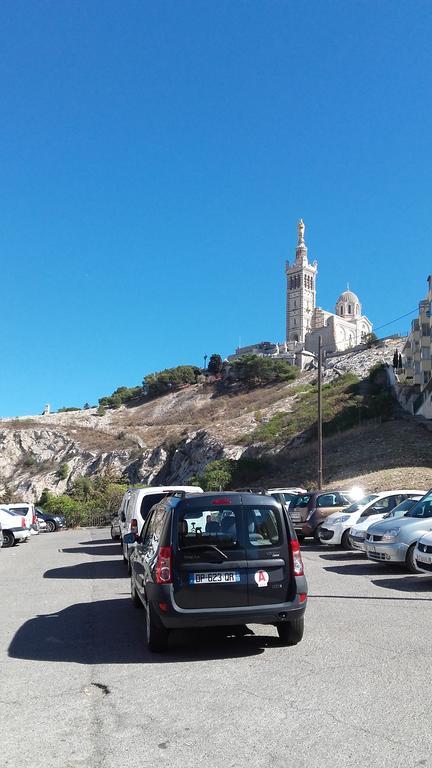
(176, 617)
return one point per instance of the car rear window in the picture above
(263, 527)
(222, 527)
(150, 500)
(20, 510)
(219, 527)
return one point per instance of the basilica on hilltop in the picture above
(305, 322)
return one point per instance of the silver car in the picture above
(393, 541)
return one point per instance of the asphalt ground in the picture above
(79, 688)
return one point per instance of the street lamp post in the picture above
(320, 444)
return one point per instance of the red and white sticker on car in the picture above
(261, 578)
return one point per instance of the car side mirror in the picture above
(130, 538)
(123, 517)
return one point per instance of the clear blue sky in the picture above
(155, 158)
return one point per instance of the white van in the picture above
(14, 527)
(28, 511)
(136, 504)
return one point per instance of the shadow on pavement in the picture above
(108, 540)
(407, 584)
(363, 569)
(343, 555)
(113, 632)
(97, 569)
(108, 550)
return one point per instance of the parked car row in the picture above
(211, 559)
(388, 527)
(20, 521)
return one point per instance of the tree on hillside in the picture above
(396, 359)
(215, 364)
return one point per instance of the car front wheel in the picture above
(157, 635)
(291, 632)
(345, 540)
(51, 526)
(410, 561)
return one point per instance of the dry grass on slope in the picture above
(394, 454)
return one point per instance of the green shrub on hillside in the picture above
(226, 474)
(88, 500)
(171, 378)
(346, 402)
(67, 409)
(254, 370)
(120, 396)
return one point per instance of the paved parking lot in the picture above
(78, 688)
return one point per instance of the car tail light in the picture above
(296, 558)
(23, 522)
(164, 566)
(222, 500)
(134, 527)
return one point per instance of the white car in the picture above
(358, 533)
(335, 531)
(135, 506)
(28, 511)
(14, 527)
(423, 553)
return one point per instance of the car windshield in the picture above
(301, 501)
(360, 503)
(423, 508)
(404, 506)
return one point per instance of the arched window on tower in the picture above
(349, 309)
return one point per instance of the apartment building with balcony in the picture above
(417, 355)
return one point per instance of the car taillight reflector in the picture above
(23, 522)
(134, 526)
(302, 597)
(164, 566)
(296, 559)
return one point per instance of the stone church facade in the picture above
(305, 322)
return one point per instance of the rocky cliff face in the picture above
(166, 440)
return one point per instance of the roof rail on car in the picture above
(250, 489)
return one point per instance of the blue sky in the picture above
(156, 156)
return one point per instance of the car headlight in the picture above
(341, 519)
(357, 532)
(391, 535)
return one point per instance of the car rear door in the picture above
(210, 566)
(268, 556)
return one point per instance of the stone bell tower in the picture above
(301, 291)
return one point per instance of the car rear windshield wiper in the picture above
(205, 546)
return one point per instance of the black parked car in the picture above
(53, 522)
(218, 559)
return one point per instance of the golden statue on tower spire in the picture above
(301, 229)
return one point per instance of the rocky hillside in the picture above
(172, 438)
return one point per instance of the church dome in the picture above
(348, 305)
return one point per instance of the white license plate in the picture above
(216, 577)
(295, 517)
(423, 558)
